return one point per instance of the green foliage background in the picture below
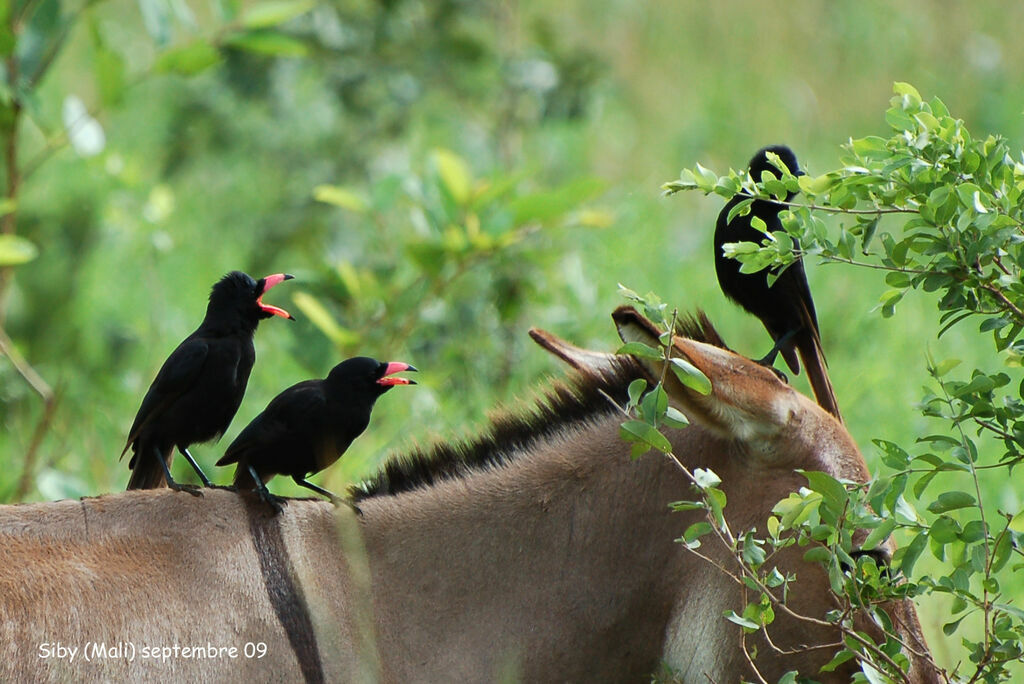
(440, 176)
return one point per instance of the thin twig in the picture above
(31, 455)
(25, 370)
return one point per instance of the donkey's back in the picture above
(105, 588)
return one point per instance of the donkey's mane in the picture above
(582, 397)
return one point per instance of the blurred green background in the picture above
(439, 176)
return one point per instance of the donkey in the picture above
(536, 552)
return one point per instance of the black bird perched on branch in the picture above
(200, 386)
(308, 426)
(785, 308)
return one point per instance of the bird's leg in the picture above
(769, 358)
(336, 500)
(275, 502)
(191, 489)
(188, 457)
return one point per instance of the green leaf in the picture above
(951, 501)
(653, 405)
(871, 147)
(906, 556)
(16, 250)
(944, 367)
(269, 14)
(741, 208)
(319, 316)
(187, 60)
(697, 529)
(705, 477)
(753, 552)
(705, 178)
(747, 625)
(339, 196)
(837, 660)
(893, 455)
(675, 418)
(7, 38)
(1001, 553)
(681, 506)
(818, 554)
(830, 488)
(691, 376)
(640, 350)
(644, 434)
(879, 534)
(454, 173)
(548, 206)
(901, 88)
(817, 185)
(636, 390)
(157, 20)
(1017, 522)
(1015, 611)
(950, 627)
(270, 43)
(108, 67)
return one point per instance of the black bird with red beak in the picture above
(308, 426)
(200, 386)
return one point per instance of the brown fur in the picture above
(555, 562)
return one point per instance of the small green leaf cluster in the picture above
(440, 246)
(650, 407)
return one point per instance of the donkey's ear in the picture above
(581, 359)
(634, 327)
(746, 400)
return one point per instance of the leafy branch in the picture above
(959, 202)
(797, 520)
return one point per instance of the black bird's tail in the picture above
(146, 470)
(808, 344)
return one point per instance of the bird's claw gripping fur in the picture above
(194, 490)
(276, 502)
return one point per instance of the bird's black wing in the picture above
(290, 413)
(176, 376)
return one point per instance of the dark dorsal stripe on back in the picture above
(583, 397)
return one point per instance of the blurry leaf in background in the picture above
(15, 250)
(7, 37)
(108, 65)
(455, 175)
(189, 59)
(550, 204)
(346, 198)
(267, 14)
(319, 316)
(269, 43)
(84, 132)
(156, 16)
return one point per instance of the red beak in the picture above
(396, 367)
(269, 282)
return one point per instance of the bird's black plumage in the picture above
(200, 386)
(786, 308)
(308, 426)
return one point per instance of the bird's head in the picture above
(368, 376)
(760, 162)
(237, 294)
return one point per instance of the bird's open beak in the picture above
(396, 367)
(269, 282)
